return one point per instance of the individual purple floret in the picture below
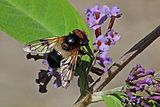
(148, 72)
(100, 43)
(96, 16)
(115, 11)
(148, 81)
(141, 82)
(103, 59)
(112, 37)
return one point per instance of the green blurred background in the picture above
(17, 75)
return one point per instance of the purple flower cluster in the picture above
(141, 80)
(96, 17)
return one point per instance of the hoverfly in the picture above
(62, 52)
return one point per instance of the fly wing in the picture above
(43, 45)
(67, 68)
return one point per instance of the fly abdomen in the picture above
(54, 59)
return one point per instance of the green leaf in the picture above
(28, 20)
(112, 101)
